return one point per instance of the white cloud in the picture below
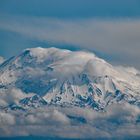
(12, 95)
(129, 70)
(119, 121)
(6, 119)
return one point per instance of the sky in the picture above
(109, 28)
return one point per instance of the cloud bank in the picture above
(116, 40)
(117, 122)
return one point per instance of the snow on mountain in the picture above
(65, 78)
(1, 59)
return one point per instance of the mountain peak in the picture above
(43, 51)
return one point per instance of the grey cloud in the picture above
(6, 119)
(12, 95)
(117, 121)
(118, 40)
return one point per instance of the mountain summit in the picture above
(51, 76)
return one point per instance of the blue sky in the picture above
(110, 28)
(71, 8)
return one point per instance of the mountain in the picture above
(51, 76)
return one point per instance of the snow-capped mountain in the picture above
(64, 78)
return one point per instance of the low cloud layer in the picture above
(115, 40)
(119, 121)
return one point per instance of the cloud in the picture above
(45, 117)
(130, 70)
(116, 40)
(118, 121)
(7, 119)
(12, 95)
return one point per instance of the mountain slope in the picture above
(66, 78)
